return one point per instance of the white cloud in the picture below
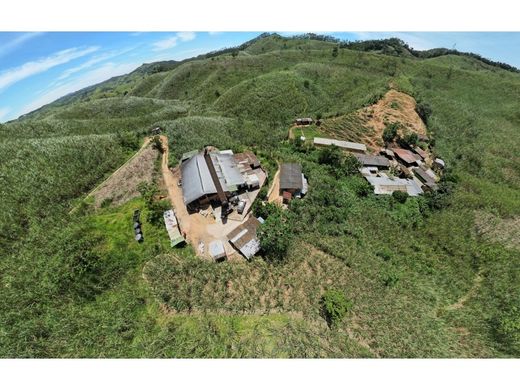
(14, 75)
(3, 112)
(214, 32)
(165, 44)
(104, 72)
(92, 61)
(168, 43)
(186, 36)
(17, 42)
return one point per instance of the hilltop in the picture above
(432, 276)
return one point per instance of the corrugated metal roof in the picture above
(373, 161)
(196, 179)
(386, 185)
(421, 152)
(425, 177)
(244, 237)
(342, 144)
(291, 176)
(172, 227)
(227, 170)
(406, 155)
(188, 155)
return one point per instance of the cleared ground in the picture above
(121, 186)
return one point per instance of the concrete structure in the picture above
(345, 145)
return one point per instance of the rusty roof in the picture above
(406, 155)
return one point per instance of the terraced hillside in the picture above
(432, 276)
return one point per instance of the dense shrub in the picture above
(400, 196)
(335, 307)
(275, 237)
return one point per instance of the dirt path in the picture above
(273, 195)
(477, 280)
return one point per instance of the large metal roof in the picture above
(291, 176)
(342, 144)
(196, 179)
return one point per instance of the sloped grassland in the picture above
(73, 285)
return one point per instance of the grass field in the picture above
(425, 278)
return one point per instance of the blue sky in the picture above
(38, 68)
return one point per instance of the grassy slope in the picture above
(249, 100)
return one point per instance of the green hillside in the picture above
(421, 278)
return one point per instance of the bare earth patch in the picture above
(122, 185)
(395, 106)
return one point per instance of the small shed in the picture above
(304, 121)
(291, 177)
(244, 238)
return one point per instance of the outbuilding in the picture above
(291, 178)
(345, 145)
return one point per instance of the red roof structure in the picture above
(405, 155)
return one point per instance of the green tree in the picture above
(330, 155)
(335, 306)
(390, 132)
(400, 196)
(275, 237)
(335, 51)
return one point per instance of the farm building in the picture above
(304, 121)
(292, 180)
(406, 157)
(373, 161)
(217, 176)
(244, 238)
(172, 227)
(345, 145)
(384, 185)
(425, 178)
